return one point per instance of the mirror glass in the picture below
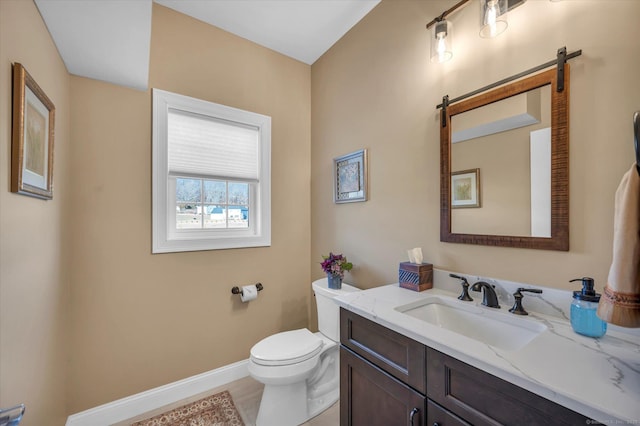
(509, 141)
(504, 166)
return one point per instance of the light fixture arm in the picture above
(446, 13)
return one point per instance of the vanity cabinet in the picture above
(481, 398)
(373, 397)
(389, 379)
(401, 357)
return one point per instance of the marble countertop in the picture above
(599, 378)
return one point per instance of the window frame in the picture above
(165, 237)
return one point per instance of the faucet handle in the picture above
(517, 305)
(465, 288)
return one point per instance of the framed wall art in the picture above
(350, 177)
(32, 139)
(465, 189)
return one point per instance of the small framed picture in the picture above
(465, 189)
(32, 139)
(350, 177)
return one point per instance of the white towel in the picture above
(620, 303)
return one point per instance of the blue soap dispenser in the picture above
(583, 310)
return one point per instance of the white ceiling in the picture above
(109, 40)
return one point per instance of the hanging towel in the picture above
(620, 303)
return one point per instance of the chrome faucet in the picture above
(489, 296)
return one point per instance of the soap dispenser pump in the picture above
(583, 310)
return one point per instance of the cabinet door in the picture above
(370, 397)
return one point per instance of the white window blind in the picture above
(209, 145)
(200, 145)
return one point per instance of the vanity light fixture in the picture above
(493, 22)
(493, 18)
(441, 41)
(441, 35)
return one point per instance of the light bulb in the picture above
(442, 47)
(493, 18)
(441, 42)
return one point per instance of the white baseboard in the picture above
(140, 403)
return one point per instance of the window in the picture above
(211, 175)
(204, 203)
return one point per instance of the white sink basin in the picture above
(498, 329)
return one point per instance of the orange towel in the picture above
(620, 303)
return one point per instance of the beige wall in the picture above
(88, 315)
(34, 289)
(143, 320)
(376, 89)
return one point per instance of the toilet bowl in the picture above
(300, 369)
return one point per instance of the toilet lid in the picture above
(288, 347)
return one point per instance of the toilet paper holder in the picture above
(236, 289)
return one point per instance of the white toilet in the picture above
(300, 369)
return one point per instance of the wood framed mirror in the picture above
(508, 151)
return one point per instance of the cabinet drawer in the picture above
(483, 399)
(394, 353)
(371, 397)
(438, 416)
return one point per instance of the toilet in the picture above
(300, 369)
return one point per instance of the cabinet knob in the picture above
(412, 414)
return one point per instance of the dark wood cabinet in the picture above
(483, 399)
(388, 379)
(438, 416)
(373, 397)
(398, 355)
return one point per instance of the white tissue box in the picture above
(416, 277)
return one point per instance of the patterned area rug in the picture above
(213, 410)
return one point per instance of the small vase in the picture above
(335, 281)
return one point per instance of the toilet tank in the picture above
(328, 309)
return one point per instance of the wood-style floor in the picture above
(246, 394)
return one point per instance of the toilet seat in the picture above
(286, 348)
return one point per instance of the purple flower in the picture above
(335, 264)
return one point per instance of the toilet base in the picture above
(283, 405)
(323, 388)
(319, 405)
(290, 400)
